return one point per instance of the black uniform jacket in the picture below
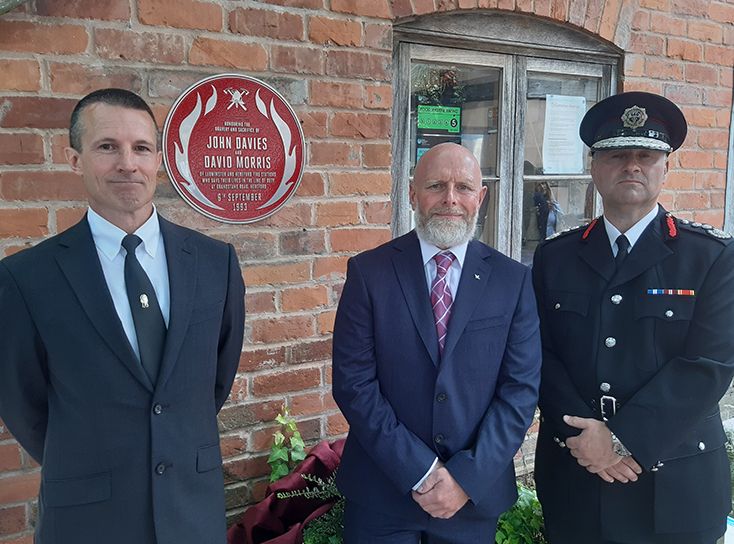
(656, 339)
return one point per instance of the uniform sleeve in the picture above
(23, 371)
(232, 331)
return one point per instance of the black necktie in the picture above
(149, 325)
(622, 250)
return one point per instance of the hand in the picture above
(625, 471)
(440, 495)
(593, 447)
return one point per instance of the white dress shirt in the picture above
(152, 256)
(633, 233)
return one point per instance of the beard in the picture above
(445, 233)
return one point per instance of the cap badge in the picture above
(634, 117)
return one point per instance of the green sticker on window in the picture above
(446, 118)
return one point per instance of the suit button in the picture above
(616, 299)
(438, 438)
(605, 387)
(157, 409)
(610, 342)
(557, 306)
(441, 397)
(669, 313)
(701, 446)
(160, 468)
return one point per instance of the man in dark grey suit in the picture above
(121, 339)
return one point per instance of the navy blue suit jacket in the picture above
(122, 460)
(406, 405)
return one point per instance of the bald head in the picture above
(447, 156)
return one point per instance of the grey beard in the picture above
(445, 233)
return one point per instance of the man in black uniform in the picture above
(636, 313)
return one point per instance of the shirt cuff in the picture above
(420, 482)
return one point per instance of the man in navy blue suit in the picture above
(436, 366)
(120, 340)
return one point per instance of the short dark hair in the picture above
(111, 97)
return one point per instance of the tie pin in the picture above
(144, 301)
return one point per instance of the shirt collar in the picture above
(428, 250)
(634, 232)
(108, 237)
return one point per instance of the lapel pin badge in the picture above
(144, 301)
(476, 277)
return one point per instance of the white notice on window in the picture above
(563, 150)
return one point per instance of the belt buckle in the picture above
(608, 406)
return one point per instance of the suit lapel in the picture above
(411, 276)
(596, 251)
(474, 277)
(181, 259)
(77, 257)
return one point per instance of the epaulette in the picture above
(704, 229)
(568, 231)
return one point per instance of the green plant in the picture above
(523, 523)
(327, 528)
(288, 448)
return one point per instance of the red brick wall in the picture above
(334, 66)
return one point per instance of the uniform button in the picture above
(660, 464)
(157, 409)
(557, 306)
(556, 440)
(668, 313)
(438, 438)
(441, 397)
(160, 468)
(605, 387)
(701, 446)
(616, 299)
(610, 342)
(654, 469)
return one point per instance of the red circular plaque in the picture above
(233, 148)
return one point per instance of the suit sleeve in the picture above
(510, 412)
(558, 393)
(401, 455)
(232, 331)
(687, 388)
(23, 372)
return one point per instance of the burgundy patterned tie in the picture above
(441, 296)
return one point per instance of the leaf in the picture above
(278, 454)
(277, 472)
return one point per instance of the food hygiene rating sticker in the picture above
(233, 148)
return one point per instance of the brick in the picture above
(262, 439)
(23, 223)
(375, 66)
(446, 5)
(374, 8)
(310, 352)
(180, 14)
(243, 469)
(700, 116)
(9, 453)
(693, 160)
(330, 268)
(337, 95)
(718, 199)
(27, 186)
(401, 8)
(634, 65)
(668, 25)
(250, 245)
(722, 118)
(719, 11)
(283, 382)
(20, 75)
(646, 44)
(19, 149)
(84, 9)
(270, 331)
(691, 201)
(35, 112)
(304, 298)
(69, 78)
(717, 97)
(312, 184)
(228, 53)
(354, 240)
(360, 125)
(239, 391)
(325, 322)
(261, 359)
(378, 36)
(336, 425)
(12, 520)
(422, 7)
(302, 242)
(593, 16)
(333, 153)
(609, 18)
(20, 487)
(665, 69)
(151, 47)
(168, 84)
(719, 54)
(467, 4)
(703, 31)
(274, 274)
(313, 123)
(360, 183)
(641, 20)
(308, 4)
(67, 217)
(311, 404)
(260, 302)
(698, 73)
(697, 8)
(243, 415)
(336, 213)
(377, 155)
(378, 212)
(296, 60)
(684, 49)
(655, 5)
(713, 139)
(290, 215)
(712, 217)
(232, 446)
(324, 30)
(35, 37)
(679, 180)
(576, 12)
(720, 160)
(528, 6)
(684, 94)
(379, 97)
(710, 180)
(266, 23)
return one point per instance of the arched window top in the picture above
(513, 32)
